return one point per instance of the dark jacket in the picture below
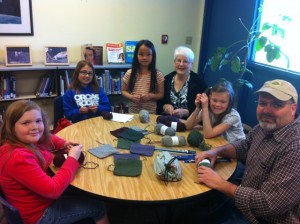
(196, 85)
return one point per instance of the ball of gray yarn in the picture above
(173, 141)
(144, 116)
(164, 130)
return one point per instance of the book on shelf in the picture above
(46, 85)
(7, 86)
(115, 53)
(129, 50)
(96, 51)
(98, 60)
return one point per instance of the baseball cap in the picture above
(280, 89)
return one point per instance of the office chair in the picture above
(11, 214)
(58, 110)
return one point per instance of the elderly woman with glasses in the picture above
(181, 86)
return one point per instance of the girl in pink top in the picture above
(25, 156)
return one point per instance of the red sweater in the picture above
(26, 185)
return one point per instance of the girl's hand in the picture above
(198, 100)
(168, 109)
(204, 100)
(69, 144)
(180, 112)
(135, 98)
(83, 110)
(93, 108)
(145, 97)
(75, 151)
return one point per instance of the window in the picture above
(273, 12)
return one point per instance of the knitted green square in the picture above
(128, 167)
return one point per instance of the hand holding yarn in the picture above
(61, 156)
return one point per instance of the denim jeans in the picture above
(72, 208)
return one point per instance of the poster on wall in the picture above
(16, 17)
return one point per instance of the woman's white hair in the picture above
(185, 51)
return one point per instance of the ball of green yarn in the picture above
(173, 141)
(195, 138)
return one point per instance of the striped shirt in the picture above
(142, 86)
(270, 189)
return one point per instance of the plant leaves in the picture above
(260, 43)
(266, 26)
(236, 64)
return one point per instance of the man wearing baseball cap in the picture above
(270, 187)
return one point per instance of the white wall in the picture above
(73, 23)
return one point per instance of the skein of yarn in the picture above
(172, 122)
(144, 116)
(106, 115)
(195, 138)
(60, 158)
(205, 162)
(173, 141)
(164, 130)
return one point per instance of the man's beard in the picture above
(267, 126)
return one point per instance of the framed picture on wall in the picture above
(16, 17)
(17, 56)
(56, 56)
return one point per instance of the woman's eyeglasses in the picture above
(86, 73)
(179, 61)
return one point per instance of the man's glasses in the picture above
(86, 73)
(276, 105)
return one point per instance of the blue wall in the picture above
(221, 28)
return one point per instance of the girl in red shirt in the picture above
(25, 156)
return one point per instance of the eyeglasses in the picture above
(179, 61)
(86, 73)
(273, 104)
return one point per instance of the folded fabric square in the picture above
(145, 150)
(128, 167)
(127, 133)
(103, 151)
(126, 156)
(124, 143)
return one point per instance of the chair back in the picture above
(11, 214)
(58, 110)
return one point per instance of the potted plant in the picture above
(236, 54)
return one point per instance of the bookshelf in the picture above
(28, 80)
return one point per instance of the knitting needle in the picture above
(186, 151)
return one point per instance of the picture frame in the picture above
(56, 55)
(16, 18)
(17, 56)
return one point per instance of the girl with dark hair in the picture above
(143, 84)
(215, 109)
(85, 98)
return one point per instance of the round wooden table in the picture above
(146, 187)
